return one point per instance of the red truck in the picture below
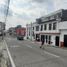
(20, 32)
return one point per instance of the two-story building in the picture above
(52, 27)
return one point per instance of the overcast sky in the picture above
(26, 11)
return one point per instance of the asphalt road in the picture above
(28, 54)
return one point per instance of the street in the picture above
(26, 53)
(33, 33)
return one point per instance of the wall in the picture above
(63, 25)
(48, 31)
(63, 32)
(53, 40)
(29, 29)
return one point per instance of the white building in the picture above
(52, 28)
(30, 29)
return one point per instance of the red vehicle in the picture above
(20, 33)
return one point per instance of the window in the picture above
(37, 28)
(41, 27)
(33, 28)
(54, 26)
(45, 26)
(50, 26)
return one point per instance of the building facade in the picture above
(52, 28)
(2, 28)
(12, 31)
(30, 29)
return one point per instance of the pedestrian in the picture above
(42, 43)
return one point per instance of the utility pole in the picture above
(6, 14)
(7, 10)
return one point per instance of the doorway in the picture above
(42, 37)
(57, 40)
(65, 40)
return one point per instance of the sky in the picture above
(22, 12)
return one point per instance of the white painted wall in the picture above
(29, 28)
(63, 32)
(48, 31)
(53, 40)
(63, 25)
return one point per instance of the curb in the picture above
(11, 60)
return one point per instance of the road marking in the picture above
(29, 46)
(33, 42)
(46, 52)
(14, 46)
(12, 62)
(51, 54)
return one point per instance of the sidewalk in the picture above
(3, 54)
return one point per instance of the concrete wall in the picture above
(63, 32)
(53, 40)
(63, 25)
(29, 29)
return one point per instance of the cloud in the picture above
(10, 12)
(3, 8)
(60, 4)
(3, 1)
(14, 21)
(40, 1)
(26, 11)
(30, 9)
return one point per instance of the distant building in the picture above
(30, 29)
(53, 28)
(2, 28)
(12, 31)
